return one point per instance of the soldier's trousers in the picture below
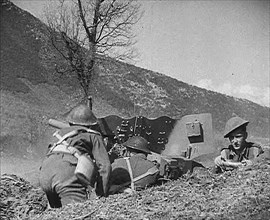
(58, 181)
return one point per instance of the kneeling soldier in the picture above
(76, 161)
(134, 169)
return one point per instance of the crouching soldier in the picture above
(240, 152)
(76, 162)
(134, 169)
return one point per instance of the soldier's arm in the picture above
(227, 163)
(232, 164)
(103, 163)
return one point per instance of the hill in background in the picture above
(31, 92)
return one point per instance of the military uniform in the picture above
(57, 173)
(239, 152)
(139, 165)
(135, 170)
(249, 152)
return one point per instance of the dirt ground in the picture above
(239, 194)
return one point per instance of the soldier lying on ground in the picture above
(134, 169)
(240, 152)
(78, 150)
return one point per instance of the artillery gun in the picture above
(176, 144)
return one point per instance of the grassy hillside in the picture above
(31, 91)
(19, 46)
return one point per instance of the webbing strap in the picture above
(62, 140)
(150, 171)
(73, 133)
(130, 173)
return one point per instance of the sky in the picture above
(218, 45)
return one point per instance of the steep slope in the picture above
(155, 94)
(31, 92)
(19, 46)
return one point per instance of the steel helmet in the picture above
(234, 123)
(138, 143)
(82, 115)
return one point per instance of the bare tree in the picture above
(84, 32)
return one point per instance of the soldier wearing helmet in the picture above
(58, 177)
(240, 152)
(134, 170)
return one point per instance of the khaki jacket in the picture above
(92, 144)
(249, 152)
(139, 165)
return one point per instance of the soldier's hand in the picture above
(128, 191)
(247, 162)
(91, 194)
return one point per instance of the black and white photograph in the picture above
(135, 109)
